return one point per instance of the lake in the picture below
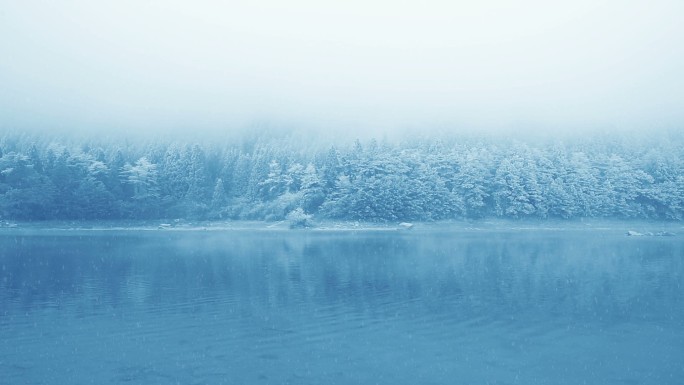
(436, 306)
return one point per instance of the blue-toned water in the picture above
(415, 307)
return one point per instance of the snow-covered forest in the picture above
(261, 177)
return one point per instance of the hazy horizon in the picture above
(360, 68)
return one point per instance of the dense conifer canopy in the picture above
(267, 178)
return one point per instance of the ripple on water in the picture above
(339, 309)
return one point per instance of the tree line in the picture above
(265, 178)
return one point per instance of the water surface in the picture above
(279, 307)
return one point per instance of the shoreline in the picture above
(640, 227)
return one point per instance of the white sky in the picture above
(354, 65)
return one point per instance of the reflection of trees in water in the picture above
(47, 270)
(500, 274)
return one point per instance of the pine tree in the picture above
(331, 169)
(196, 175)
(274, 185)
(512, 200)
(143, 178)
(472, 184)
(24, 193)
(218, 197)
(313, 193)
(174, 172)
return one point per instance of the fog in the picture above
(362, 67)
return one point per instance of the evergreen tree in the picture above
(240, 181)
(196, 175)
(623, 185)
(313, 192)
(582, 183)
(512, 200)
(293, 177)
(426, 180)
(274, 185)
(175, 170)
(331, 169)
(218, 199)
(142, 177)
(472, 184)
(24, 193)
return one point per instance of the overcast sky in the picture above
(359, 65)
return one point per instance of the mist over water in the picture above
(502, 130)
(492, 306)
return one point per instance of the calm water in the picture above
(239, 307)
